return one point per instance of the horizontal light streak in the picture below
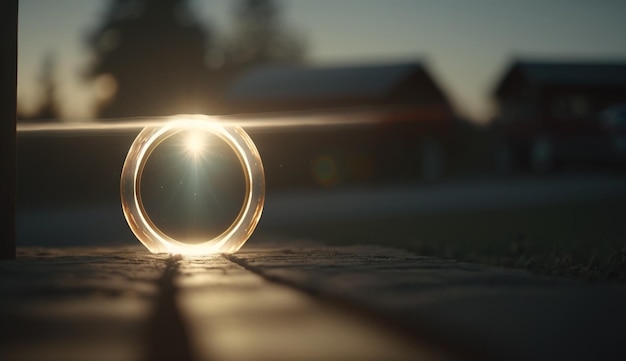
(269, 121)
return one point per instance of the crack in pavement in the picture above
(421, 335)
(167, 332)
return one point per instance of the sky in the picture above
(466, 45)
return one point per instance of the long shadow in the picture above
(167, 334)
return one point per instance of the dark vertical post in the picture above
(8, 103)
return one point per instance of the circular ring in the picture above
(140, 223)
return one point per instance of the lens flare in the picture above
(195, 127)
(324, 170)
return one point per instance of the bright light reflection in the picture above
(194, 143)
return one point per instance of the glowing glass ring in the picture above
(233, 238)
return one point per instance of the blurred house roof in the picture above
(567, 74)
(303, 82)
(276, 88)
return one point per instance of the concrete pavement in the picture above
(296, 300)
(127, 304)
(484, 312)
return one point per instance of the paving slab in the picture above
(501, 314)
(296, 300)
(126, 304)
(77, 303)
(234, 314)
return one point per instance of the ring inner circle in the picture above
(192, 186)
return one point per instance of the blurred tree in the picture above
(149, 59)
(260, 37)
(48, 111)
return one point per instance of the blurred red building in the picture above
(553, 113)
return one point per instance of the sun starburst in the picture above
(194, 143)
